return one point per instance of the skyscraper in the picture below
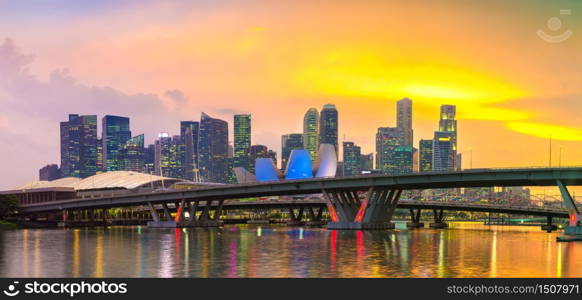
(351, 163)
(163, 154)
(448, 123)
(328, 126)
(79, 146)
(425, 155)
(443, 155)
(404, 120)
(115, 134)
(189, 135)
(213, 149)
(242, 140)
(131, 154)
(150, 159)
(289, 142)
(387, 138)
(311, 132)
(403, 160)
(448, 127)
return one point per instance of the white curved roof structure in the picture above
(108, 180)
(121, 179)
(67, 182)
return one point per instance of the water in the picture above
(464, 250)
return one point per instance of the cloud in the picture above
(32, 109)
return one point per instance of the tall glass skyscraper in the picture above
(289, 142)
(387, 138)
(79, 146)
(448, 127)
(443, 155)
(403, 160)
(115, 134)
(328, 126)
(242, 141)
(351, 162)
(132, 154)
(404, 120)
(213, 149)
(425, 156)
(189, 135)
(311, 132)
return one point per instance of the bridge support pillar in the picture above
(415, 219)
(315, 218)
(295, 219)
(549, 227)
(438, 219)
(572, 232)
(375, 211)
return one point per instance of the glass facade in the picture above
(242, 141)
(425, 156)
(189, 135)
(351, 162)
(311, 132)
(403, 160)
(79, 146)
(213, 150)
(132, 154)
(115, 134)
(404, 120)
(328, 126)
(387, 138)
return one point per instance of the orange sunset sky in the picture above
(160, 62)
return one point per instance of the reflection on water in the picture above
(464, 250)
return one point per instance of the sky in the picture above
(160, 62)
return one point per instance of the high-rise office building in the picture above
(273, 155)
(131, 154)
(150, 159)
(79, 146)
(443, 155)
(425, 155)
(99, 156)
(49, 173)
(387, 138)
(448, 123)
(213, 149)
(163, 154)
(289, 142)
(242, 141)
(448, 127)
(351, 163)
(311, 132)
(115, 134)
(403, 160)
(404, 120)
(189, 135)
(328, 126)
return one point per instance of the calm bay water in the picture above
(464, 250)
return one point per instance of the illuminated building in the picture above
(387, 138)
(242, 140)
(115, 134)
(132, 153)
(189, 135)
(367, 162)
(311, 131)
(79, 146)
(443, 155)
(403, 160)
(328, 126)
(425, 155)
(213, 149)
(351, 159)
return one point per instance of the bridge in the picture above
(359, 202)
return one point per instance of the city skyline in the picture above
(518, 97)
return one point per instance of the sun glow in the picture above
(540, 130)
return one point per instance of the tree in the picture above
(8, 206)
